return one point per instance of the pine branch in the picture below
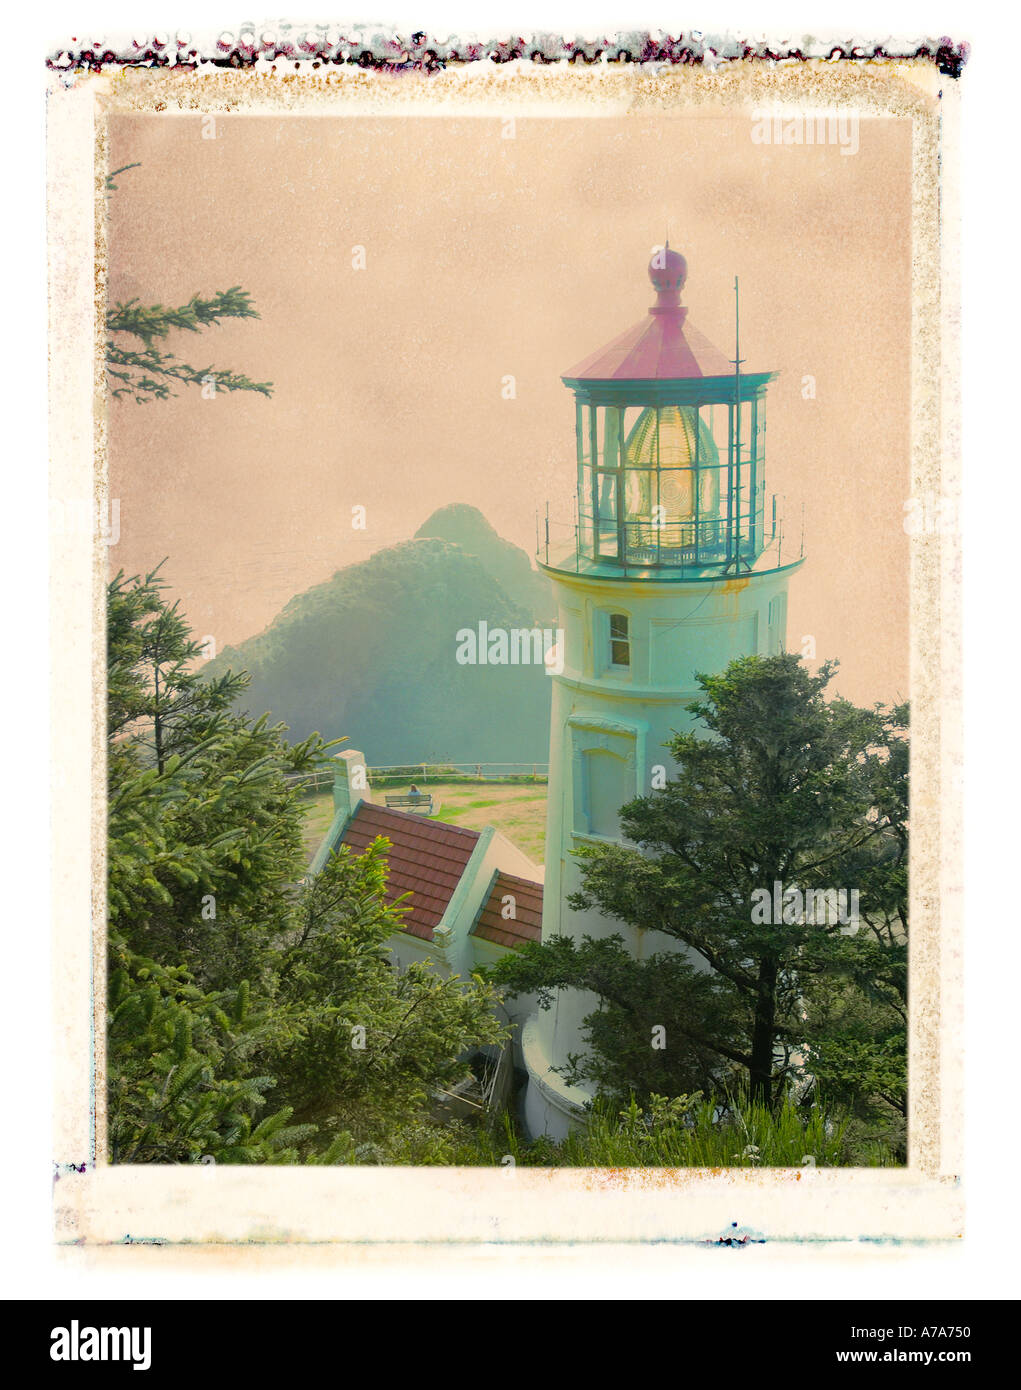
(111, 186)
(152, 321)
(138, 382)
(146, 373)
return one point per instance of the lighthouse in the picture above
(675, 562)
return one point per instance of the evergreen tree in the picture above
(137, 367)
(788, 789)
(236, 983)
(146, 372)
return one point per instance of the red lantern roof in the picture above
(663, 347)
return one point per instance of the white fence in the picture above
(322, 778)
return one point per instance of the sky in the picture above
(487, 257)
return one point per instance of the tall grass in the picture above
(667, 1135)
(687, 1132)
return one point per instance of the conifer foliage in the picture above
(780, 793)
(253, 1013)
(137, 366)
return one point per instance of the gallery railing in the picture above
(640, 544)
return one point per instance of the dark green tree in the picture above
(857, 1022)
(136, 365)
(787, 789)
(235, 980)
(694, 1009)
(155, 692)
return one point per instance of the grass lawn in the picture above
(517, 810)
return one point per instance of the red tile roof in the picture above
(525, 925)
(427, 859)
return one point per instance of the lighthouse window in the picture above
(777, 624)
(620, 640)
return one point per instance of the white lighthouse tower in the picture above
(674, 564)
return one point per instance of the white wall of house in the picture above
(454, 949)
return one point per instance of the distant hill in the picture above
(370, 654)
(507, 564)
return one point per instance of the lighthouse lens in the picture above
(672, 495)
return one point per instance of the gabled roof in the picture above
(525, 925)
(427, 859)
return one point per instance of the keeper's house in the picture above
(474, 895)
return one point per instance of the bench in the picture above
(422, 804)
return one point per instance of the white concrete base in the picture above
(551, 1106)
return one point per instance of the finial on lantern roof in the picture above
(668, 271)
(664, 346)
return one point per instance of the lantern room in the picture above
(670, 453)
